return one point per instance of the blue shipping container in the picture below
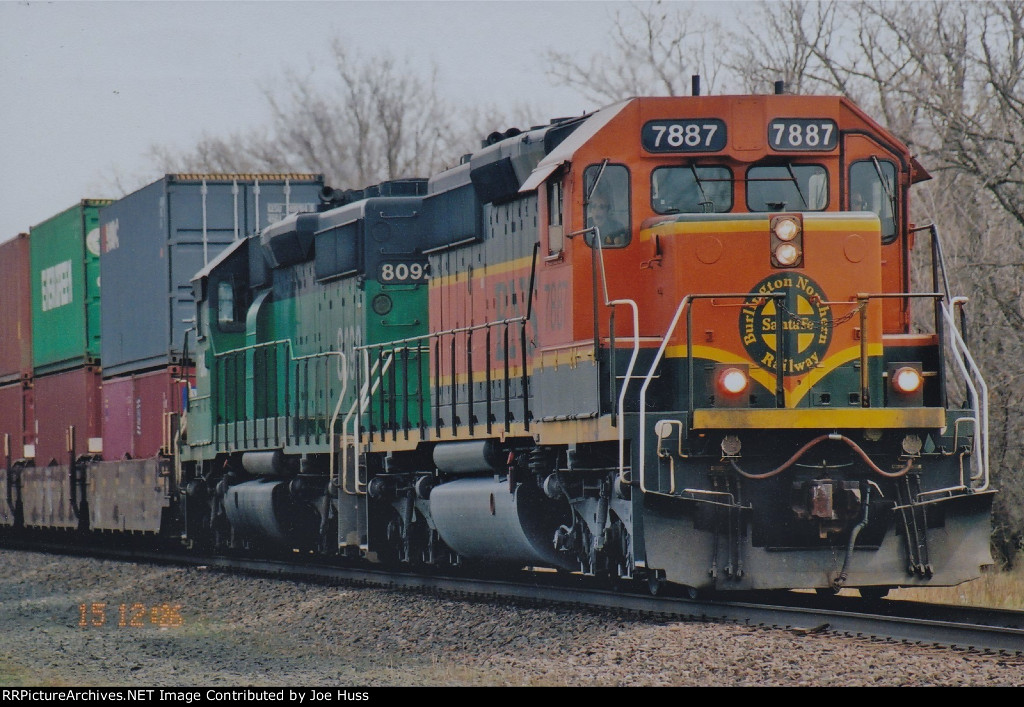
(154, 240)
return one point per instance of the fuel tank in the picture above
(481, 519)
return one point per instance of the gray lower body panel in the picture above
(957, 551)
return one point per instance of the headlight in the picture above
(786, 229)
(906, 384)
(787, 241)
(730, 383)
(733, 381)
(381, 304)
(787, 254)
(907, 380)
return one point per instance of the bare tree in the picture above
(374, 118)
(234, 153)
(654, 50)
(785, 43)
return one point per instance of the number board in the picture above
(403, 271)
(696, 135)
(803, 134)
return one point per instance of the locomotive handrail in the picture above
(969, 369)
(400, 344)
(939, 269)
(364, 393)
(343, 377)
(599, 258)
(456, 330)
(355, 412)
(863, 298)
(286, 346)
(685, 304)
(974, 381)
(626, 381)
(257, 345)
(633, 357)
(938, 261)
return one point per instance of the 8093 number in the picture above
(403, 272)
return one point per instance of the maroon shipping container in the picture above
(135, 409)
(15, 310)
(17, 419)
(69, 398)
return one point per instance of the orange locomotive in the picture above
(678, 345)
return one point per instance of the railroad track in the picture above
(962, 628)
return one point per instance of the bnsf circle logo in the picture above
(805, 319)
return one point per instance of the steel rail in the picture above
(941, 626)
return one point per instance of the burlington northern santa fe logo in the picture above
(805, 318)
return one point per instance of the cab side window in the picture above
(606, 190)
(873, 188)
(231, 305)
(556, 233)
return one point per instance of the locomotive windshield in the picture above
(871, 189)
(691, 190)
(787, 186)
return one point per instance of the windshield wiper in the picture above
(593, 187)
(707, 204)
(792, 175)
(885, 183)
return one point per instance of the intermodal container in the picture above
(136, 409)
(154, 240)
(15, 310)
(17, 421)
(65, 283)
(67, 399)
(15, 408)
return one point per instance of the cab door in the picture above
(875, 179)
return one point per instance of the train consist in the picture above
(674, 340)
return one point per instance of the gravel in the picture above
(206, 628)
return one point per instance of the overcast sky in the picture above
(87, 88)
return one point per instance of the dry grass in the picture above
(995, 589)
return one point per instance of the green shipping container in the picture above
(65, 264)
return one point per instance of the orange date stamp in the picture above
(136, 615)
